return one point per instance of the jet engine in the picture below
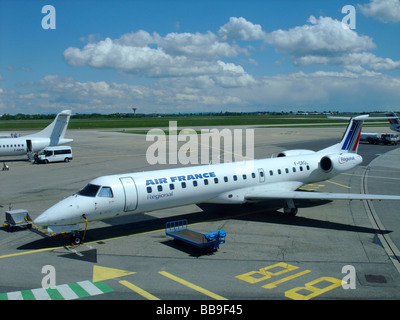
(336, 163)
(295, 152)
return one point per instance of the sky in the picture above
(177, 56)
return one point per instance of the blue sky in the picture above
(199, 56)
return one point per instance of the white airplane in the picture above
(52, 135)
(237, 182)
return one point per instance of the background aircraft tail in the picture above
(394, 121)
(351, 137)
(56, 130)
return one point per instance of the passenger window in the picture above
(171, 186)
(308, 167)
(194, 183)
(294, 169)
(106, 192)
(271, 173)
(253, 175)
(183, 184)
(159, 188)
(235, 178)
(244, 177)
(279, 171)
(215, 180)
(226, 179)
(205, 182)
(286, 170)
(148, 189)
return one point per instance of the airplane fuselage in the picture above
(21, 146)
(117, 195)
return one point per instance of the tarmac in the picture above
(330, 250)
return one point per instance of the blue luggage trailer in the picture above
(179, 230)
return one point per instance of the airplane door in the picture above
(130, 193)
(261, 174)
(29, 146)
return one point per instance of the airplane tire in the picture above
(76, 240)
(291, 212)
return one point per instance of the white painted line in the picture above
(17, 295)
(41, 294)
(90, 288)
(67, 292)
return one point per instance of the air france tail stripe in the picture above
(357, 141)
(353, 136)
(349, 135)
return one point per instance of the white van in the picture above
(54, 154)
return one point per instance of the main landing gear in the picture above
(289, 208)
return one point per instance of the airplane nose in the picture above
(42, 220)
(65, 212)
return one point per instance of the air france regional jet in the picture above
(52, 135)
(237, 182)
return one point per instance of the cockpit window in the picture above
(89, 191)
(106, 192)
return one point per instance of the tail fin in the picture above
(394, 121)
(351, 137)
(56, 130)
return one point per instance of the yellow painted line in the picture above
(192, 286)
(29, 252)
(274, 284)
(138, 290)
(338, 184)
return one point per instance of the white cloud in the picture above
(323, 36)
(325, 42)
(383, 10)
(241, 29)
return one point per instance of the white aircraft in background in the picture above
(394, 121)
(228, 183)
(52, 135)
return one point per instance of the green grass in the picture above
(182, 122)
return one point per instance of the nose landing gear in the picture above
(76, 238)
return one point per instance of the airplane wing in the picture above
(254, 196)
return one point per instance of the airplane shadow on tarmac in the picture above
(263, 212)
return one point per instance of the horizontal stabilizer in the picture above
(316, 195)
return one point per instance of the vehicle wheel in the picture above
(76, 240)
(46, 161)
(66, 160)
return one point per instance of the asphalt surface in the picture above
(267, 256)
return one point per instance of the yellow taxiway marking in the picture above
(338, 184)
(192, 286)
(138, 290)
(105, 273)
